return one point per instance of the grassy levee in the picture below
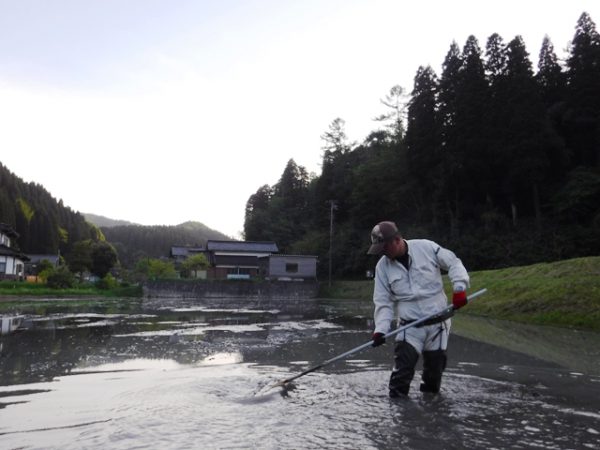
(15, 289)
(564, 293)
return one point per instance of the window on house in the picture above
(2, 267)
(291, 267)
(238, 271)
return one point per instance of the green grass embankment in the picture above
(11, 289)
(564, 293)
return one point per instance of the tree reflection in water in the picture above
(175, 375)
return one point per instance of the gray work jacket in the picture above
(419, 291)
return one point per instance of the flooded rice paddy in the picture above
(124, 374)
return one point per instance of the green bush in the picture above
(108, 282)
(60, 278)
(44, 274)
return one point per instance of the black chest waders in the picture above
(449, 309)
(406, 357)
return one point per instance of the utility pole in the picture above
(332, 207)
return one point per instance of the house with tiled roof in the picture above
(243, 260)
(180, 253)
(35, 262)
(12, 261)
(237, 259)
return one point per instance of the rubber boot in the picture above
(405, 360)
(434, 363)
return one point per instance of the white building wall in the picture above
(306, 266)
(11, 265)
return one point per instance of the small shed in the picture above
(31, 266)
(288, 267)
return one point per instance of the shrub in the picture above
(60, 278)
(108, 282)
(44, 274)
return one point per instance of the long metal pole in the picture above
(331, 207)
(447, 310)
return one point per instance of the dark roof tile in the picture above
(242, 246)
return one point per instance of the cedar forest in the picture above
(490, 159)
(494, 160)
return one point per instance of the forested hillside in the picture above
(133, 242)
(101, 221)
(44, 224)
(491, 158)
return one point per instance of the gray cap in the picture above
(382, 232)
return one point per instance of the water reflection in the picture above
(63, 338)
(172, 375)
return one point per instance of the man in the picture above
(409, 286)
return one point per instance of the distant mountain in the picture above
(133, 242)
(46, 225)
(101, 221)
(201, 228)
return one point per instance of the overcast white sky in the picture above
(163, 111)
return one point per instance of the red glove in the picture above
(378, 339)
(459, 299)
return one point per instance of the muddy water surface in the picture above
(161, 375)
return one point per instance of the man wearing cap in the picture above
(409, 286)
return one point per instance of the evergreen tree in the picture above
(497, 117)
(423, 144)
(448, 100)
(379, 182)
(552, 85)
(495, 58)
(289, 205)
(524, 141)
(583, 115)
(335, 139)
(257, 222)
(336, 173)
(550, 76)
(481, 148)
(292, 186)
(394, 119)
(473, 177)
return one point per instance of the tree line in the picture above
(491, 158)
(136, 242)
(46, 226)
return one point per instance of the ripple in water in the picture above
(221, 403)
